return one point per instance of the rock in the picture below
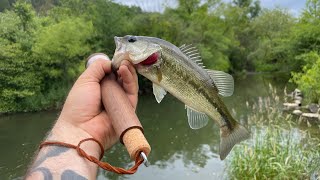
(297, 112)
(290, 106)
(295, 93)
(313, 108)
(298, 98)
(298, 102)
(311, 115)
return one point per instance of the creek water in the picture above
(178, 152)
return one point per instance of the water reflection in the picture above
(178, 152)
(20, 135)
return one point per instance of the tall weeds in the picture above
(277, 148)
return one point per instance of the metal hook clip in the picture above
(145, 159)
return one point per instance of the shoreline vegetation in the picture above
(43, 44)
(277, 149)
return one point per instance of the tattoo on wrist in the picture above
(52, 152)
(46, 154)
(70, 174)
(66, 175)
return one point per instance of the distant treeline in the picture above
(43, 43)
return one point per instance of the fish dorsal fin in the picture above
(223, 81)
(196, 119)
(158, 92)
(192, 53)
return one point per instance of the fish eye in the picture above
(132, 39)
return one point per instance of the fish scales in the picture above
(201, 86)
(183, 82)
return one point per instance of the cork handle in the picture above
(124, 119)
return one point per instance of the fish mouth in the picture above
(152, 59)
(117, 41)
(120, 53)
(136, 58)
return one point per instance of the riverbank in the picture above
(278, 149)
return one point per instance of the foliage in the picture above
(312, 10)
(60, 47)
(25, 13)
(38, 70)
(18, 78)
(306, 45)
(110, 19)
(250, 8)
(272, 31)
(308, 80)
(277, 151)
(212, 42)
(238, 16)
(46, 41)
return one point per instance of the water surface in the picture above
(178, 152)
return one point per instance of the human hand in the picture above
(83, 108)
(83, 116)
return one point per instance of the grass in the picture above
(277, 150)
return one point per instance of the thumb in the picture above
(98, 65)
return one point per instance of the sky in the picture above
(294, 6)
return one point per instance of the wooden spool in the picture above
(124, 119)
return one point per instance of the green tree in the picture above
(238, 17)
(110, 20)
(307, 32)
(213, 41)
(199, 24)
(26, 14)
(306, 47)
(271, 50)
(251, 8)
(61, 47)
(312, 10)
(305, 35)
(18, 77)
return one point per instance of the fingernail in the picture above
(95, 57)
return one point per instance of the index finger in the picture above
(131, 69)
(129, 79)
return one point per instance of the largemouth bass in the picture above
(180, 72)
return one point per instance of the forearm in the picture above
(56, 162)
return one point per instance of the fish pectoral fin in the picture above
(158, 92)
(230, 137)
(196, 119)
(223, 81)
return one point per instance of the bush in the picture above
(309, 79)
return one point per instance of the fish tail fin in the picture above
(230, 137)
